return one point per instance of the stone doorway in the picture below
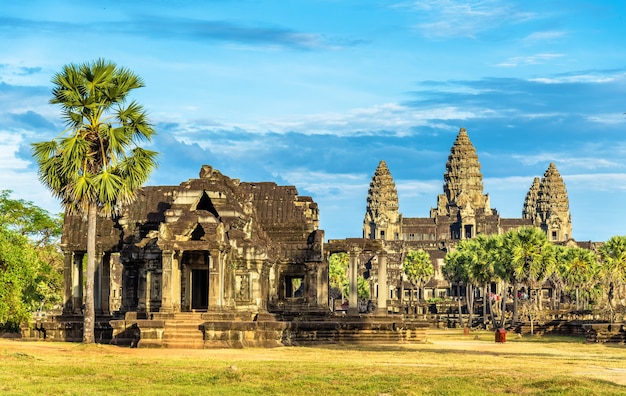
(199, 289)
(195, 281)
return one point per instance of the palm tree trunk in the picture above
(515, 302)
(505, 292)
(470, 304)
(485, 302)
(89, 312)
(458, 292)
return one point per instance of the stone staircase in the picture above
(183, 331)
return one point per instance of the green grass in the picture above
(448, 364)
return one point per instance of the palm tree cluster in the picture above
(510, 271)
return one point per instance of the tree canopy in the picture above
(97, 164)
(30, 261)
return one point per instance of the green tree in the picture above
(613, 269)
(455, 271)
(338, 274)
(96, 165)
(30, 260)
(418, 268)
(29, 220)
(531, 258)
(579, 270)
(363, 288)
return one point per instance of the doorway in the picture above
(199, 289)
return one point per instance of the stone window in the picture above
(294, 286)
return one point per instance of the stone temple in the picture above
(463, 211)
(216, 262)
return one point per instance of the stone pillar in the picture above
(77, 283)
(68, 271)
(115, 282)
(216, 280)
(97, 284)
(322, 285)
(383, 288)
(167, 282)
(353, 308)
(106, 284)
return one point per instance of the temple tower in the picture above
(553, 214)
(382, 216)
(530, 203)
(463, 196)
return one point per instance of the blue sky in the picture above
(315, 93)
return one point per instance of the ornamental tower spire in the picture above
(530, 203)
(553, 206)
(463, 181)
(382, 217)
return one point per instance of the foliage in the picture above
(96, 165)
(30, 261)
(338, 264)
(417, 267)
(363, 288)
(29, 220)
(613, 270)
(337, 271)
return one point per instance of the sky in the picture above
(316, 93)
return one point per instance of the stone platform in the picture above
(234, 330)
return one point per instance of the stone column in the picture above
(167, 281)
(353, 308)
(97, 285)
(68, 271)
(106, 284)
(77, 282)
(115, 282)
(322, 285)
(216, 280)
(383, 288)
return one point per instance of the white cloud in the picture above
(598, 181)
(609, 119)
(544, 36)
(419, 188)
(536, 59)
(388, 118)
(580, 78)
(15, 176)
(563, 161)
(454, 18)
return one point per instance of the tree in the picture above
(580, 268)
(613, 269)
(455, 271)
(29, 220)
(30, 261)
(337, 274)
(532, 258)
(418, 268)
(96, 165)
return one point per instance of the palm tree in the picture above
(532, 258)
(613, 268)
(483, 251)
(581, 267)
(418, 268)
(96, 165)
(455, 272)
(462, 261)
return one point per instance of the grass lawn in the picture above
(449, 363)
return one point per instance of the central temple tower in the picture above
(463, 198)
